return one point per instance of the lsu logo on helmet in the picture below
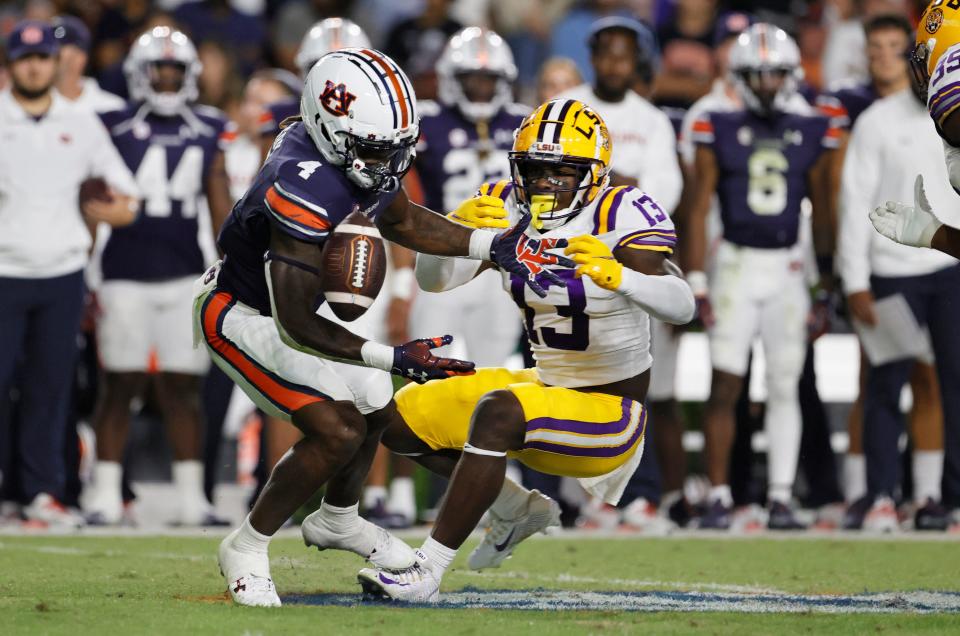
(561, 132)
(938, 30)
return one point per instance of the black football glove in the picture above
(515, 252)
(414, 360)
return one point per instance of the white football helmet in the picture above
(476, 50)
(329, 35)
(162, 45)
(361, 112)
(759, 58)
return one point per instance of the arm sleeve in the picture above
(667, 297)
(859, 184)
(661, 175)
(106, 162)
(440, 273)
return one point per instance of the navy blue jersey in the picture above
(296, 192)
(275, 113)
(453, 162)
(763, 165)
(845, 105)
(170, 158)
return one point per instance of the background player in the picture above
(580, 412)
(173, 147)
(761, 161)
(349, 152)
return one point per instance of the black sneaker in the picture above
(716, 517)
(857, 512)
(930, 516)
(681, 512)
(378, 515)
(781, 517)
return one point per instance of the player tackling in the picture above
(580, 412)
(256, 310)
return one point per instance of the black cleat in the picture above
(782, 518)
(857, 512)
(931, 516)
(716, 517)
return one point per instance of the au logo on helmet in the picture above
(336, 100)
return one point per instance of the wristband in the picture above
(402, 283)
(480, 243)
(698, 282)
(376, 355)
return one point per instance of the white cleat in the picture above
(247, 575)
(643, 516)
(46, 510)
(416, 584)
(389, 552)
(882, 517)
(503, 535)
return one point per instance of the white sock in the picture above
(854, 476)
(342, 521)
(188, 480)
(779, 493)
(107, 476)
(372, 495)
(512, 500)
(402, 500)
(722, 494)
(248, 539)
(439, 556)
(782, 424)
(927, 474)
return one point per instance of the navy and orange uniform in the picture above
(763, 165)
(296, 192)
(170, 157)
(274, 114)
(453, 159)
(845, 105)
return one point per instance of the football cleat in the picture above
(247, 575)
(930, 516)
(642, 515)
(389, 552)
(782, 517)
(882, 516)
(102, 506)
(49, 512)
(503, 535)
(597, 515)
(716, 517)
(856, 513)
(416, 584)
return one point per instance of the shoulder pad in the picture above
(428, 108)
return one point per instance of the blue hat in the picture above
(70, 29)
(31, 36)
(730, 25)
(647, 44)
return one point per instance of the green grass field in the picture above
(170, 585)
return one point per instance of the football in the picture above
(354, 266)
(96, 189)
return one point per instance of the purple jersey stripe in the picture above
(584, 428)
(596, 211)
(602, 451)
(942, 92)
(612, 222)
(944, 108)
(670, 244)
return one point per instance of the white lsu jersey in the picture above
(585, 335)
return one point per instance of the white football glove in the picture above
(908, 225)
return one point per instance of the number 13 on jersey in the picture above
(577, 338)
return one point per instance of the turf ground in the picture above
(170, 585)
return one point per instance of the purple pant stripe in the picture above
(585, 428)
(578, 451)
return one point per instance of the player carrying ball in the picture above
(580, 412)
(257, 310)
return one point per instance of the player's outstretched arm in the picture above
(513, 251)
(294, 281)
(917, 225)
(694, 250)
(643, 276)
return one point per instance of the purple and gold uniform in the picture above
(170, 157)
(763, 165)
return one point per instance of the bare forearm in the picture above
(425, 231)
(947, 240)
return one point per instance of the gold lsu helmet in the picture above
(561, 132)
(937, 31)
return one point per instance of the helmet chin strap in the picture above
(543, 203)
